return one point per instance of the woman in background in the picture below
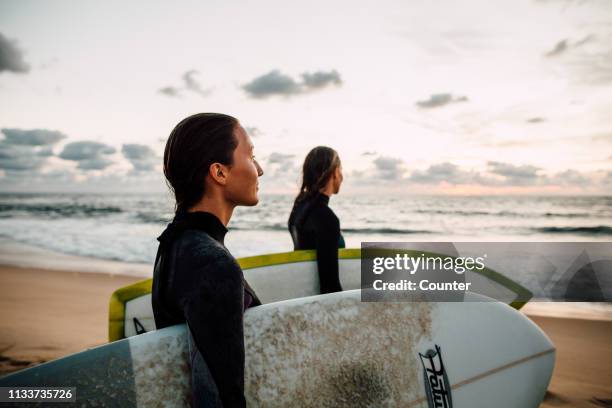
(312, 224)
(209, 165)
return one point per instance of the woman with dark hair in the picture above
(312, 224)
(210, 167)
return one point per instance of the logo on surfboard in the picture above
(437, 387)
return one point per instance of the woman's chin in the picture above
(251, 202)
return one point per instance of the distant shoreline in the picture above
(13, 253)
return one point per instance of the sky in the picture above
(419, 97)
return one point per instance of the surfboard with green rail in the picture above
(289, 275)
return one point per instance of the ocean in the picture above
(124, 227)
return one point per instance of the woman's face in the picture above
(337, 178)
(242, 178)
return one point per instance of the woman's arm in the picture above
(327, 234)
(213, 308)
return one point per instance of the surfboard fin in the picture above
(139, 327)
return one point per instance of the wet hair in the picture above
(319, 166)
(193, 145)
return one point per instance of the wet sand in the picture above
(48, 314)
(583, 369)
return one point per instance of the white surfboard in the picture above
(283, 276)
(333, 351)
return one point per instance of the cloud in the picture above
(595, 66)
(17, 157)
(589, 58)
(89, 155)
(22, 149)
(190, 84)
(387, 163)
(45, 152)
(142, 157)
(277, 83)
(496, 174)
(384, 169)
(514, 171)
(85, 150)
(585, 40)
(536, 120)
(279, 158)
(321, 79)
(252, 131)
(570, 178)
(32, 137)
(35, 179)
(193, 85)
(559, 49)
(272, 83)
(64, 178)
(564, 45)
(515, 175)
(11, 57)
(369, 153)
(137, 151)
(170, 91)
(281, 169)
(389, 167)
(439, 100)
(97, 163)
(443, 172)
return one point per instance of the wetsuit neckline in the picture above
(322, 197)
(208, 223)
(199, 220)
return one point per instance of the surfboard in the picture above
(332, 350)
(288, 275)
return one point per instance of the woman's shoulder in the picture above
(323, 214)
(197, 248)
(322, 208)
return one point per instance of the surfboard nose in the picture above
(497, 353)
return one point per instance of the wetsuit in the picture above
(197, 281)
(313, 225)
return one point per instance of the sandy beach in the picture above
(583, 369)
(47, 314)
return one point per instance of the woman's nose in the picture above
(260, 171)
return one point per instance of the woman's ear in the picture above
(218, 172)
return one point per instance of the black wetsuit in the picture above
(196, 280)
(313, 225)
